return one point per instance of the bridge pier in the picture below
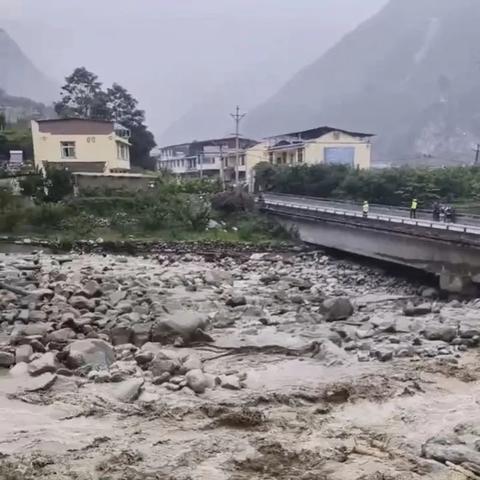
(457, 283)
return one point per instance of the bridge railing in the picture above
(378, 217)
(460, 215)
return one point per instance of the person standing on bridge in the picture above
(413, 208)
(366, 208)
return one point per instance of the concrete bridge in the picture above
(450, 251)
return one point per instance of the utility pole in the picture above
(222, 170)
(238, 118)
(477, 154)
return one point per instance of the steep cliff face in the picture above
(19, 76)
(410, 74)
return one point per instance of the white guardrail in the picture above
(450, 227)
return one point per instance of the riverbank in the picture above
(268, 365)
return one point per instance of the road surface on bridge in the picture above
(465, 224)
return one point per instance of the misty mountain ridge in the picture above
(410, 74)
(19, 76)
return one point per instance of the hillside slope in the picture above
(410, 74)
(18, 75)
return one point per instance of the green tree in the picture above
(82, 96)
(3, 122)
(124, 110)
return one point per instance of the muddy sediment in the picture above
(232, 366)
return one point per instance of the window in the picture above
(122, 151)
(270, 157)
(242, 160)
(300, 155)
(68, 149)
(284, 158)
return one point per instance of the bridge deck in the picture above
(469, 225)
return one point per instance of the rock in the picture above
(93, 353)
(47, 363)
(218, 278)
(143, 358)
(121, 334)
(163, 378)
(161, 364)
(141, 333)
(62, 335)
(440, 332)
(23, 353)
(19, 370)
(236, 300)
(40, 383)
(42, 293)
(182, 324)
(129, 390)
(34, 329)
(197, 381)
(384, 355)
(230, 382)
(337, 309)
(37, 316)
(92, 289)
(430, 293)
(458, 454)
(82, 303)
(117, 296)
(192, 362)
(124, 306)
(413, 311)
(223, 320)
(7, 359)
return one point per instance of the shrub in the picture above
(11, 219)
(233, 201)
(48, 215)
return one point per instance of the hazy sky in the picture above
(170, 53)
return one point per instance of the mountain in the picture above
(410, 74)
(209, 117)
(18, 75)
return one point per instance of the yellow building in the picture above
(81, 145)
(321, 145)
(309, 147)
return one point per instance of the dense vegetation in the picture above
(83, 96)
(169, 210)
(393, 186)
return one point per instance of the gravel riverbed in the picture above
(291, 365)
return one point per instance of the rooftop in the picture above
(320, 132)
(77, 119)
(210, 142)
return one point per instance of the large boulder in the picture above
(93, 353)
(7, 359)
(417, 310)
(37, 316)
(121, 334)
(236, 300)
(61, 335)
(23, 353)
(164, 363)
(129, 390)
(339, 308)
(443, 333)
(218, 277)
(184, 324)
(197, 381)
(82, 303)
(47, 363)
(141, 333)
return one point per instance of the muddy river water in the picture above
(263, 366)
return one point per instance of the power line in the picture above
(237, 116)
